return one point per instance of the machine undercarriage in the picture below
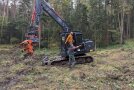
(58, 60)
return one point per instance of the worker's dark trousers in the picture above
(27, 54)
(72, 61)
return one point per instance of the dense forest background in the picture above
(106, 22)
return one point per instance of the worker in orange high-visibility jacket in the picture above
(69, 42)
(28, 48)
(69, 39)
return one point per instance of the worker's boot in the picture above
(69, 65)
(73, 64)
(70, 62)
(25, 56)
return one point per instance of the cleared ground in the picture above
(112, 69)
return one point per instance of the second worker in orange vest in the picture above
(28, 47)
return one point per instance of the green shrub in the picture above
(14, 40)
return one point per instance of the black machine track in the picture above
(64, 61)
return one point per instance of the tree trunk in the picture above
(3, 19)
(121, 26)
(106, 26)
(121, 21)
(128, 26)
(6, 21)
(14, 8)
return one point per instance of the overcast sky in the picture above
(74, 2)
(10, 1)
(6, 1)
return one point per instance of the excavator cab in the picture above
(87, 45)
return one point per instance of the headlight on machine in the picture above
(78, 49)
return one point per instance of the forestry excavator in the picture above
(87, 45)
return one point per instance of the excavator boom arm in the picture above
(42, 5)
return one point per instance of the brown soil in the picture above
(111, 70)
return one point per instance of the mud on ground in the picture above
(111, 70)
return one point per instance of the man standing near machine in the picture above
(69, 42)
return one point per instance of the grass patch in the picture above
(128, 44)
(15, 68)
(5, 62)
(93, 76)
(6, 46)
(108, 68)
(46, 51)
(29, 79)
(131, 84)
